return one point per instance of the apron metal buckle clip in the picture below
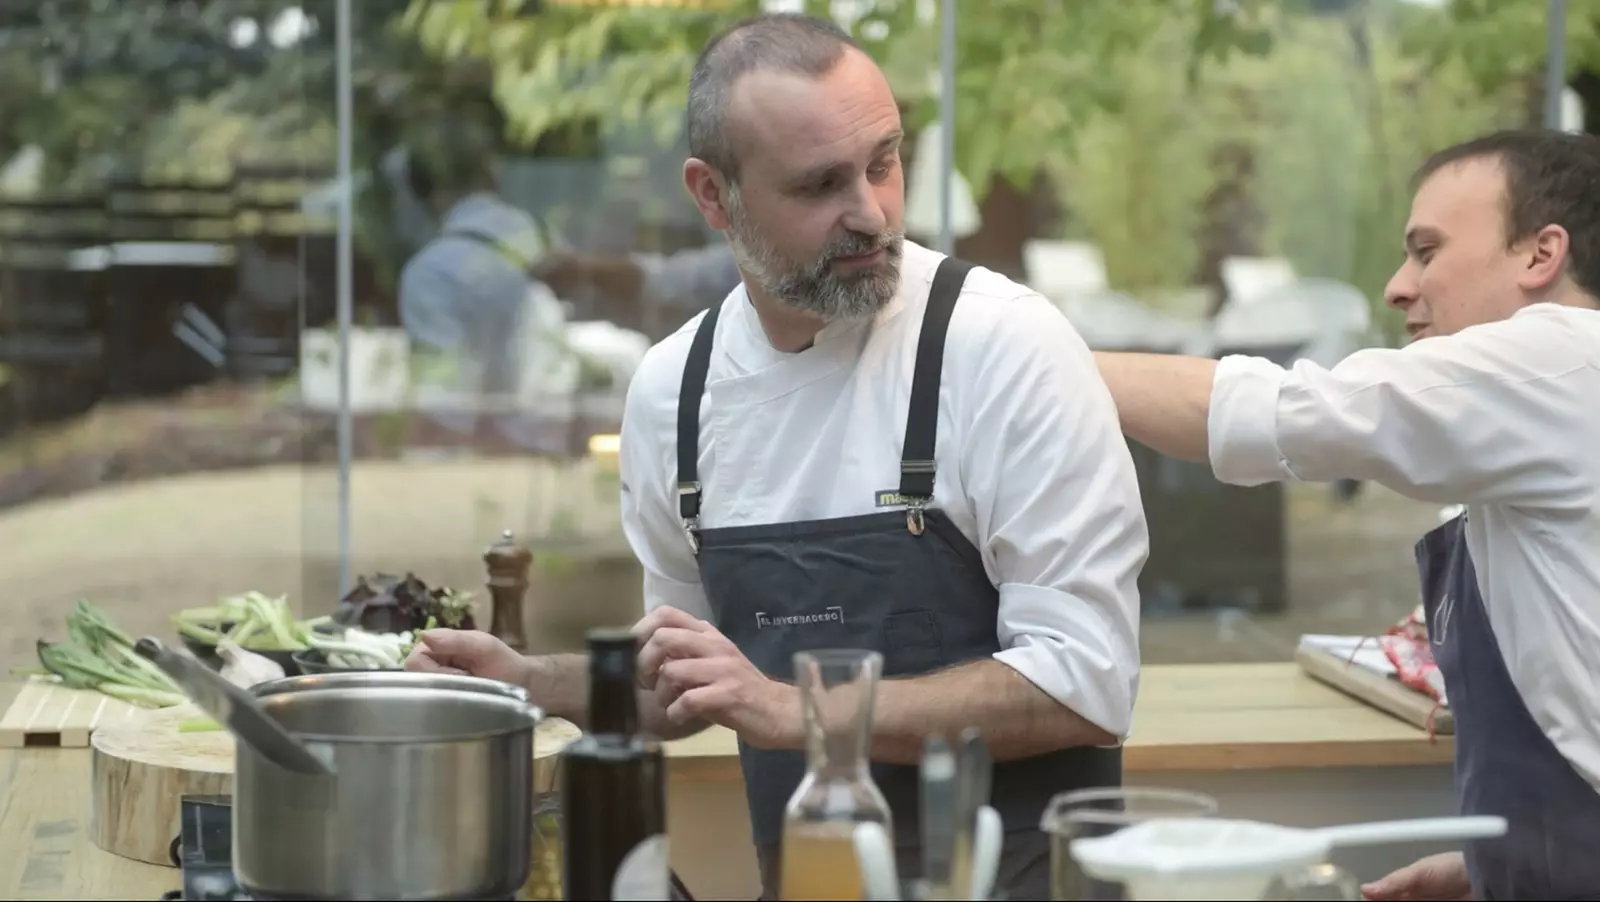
(914, 521)
(689, 508)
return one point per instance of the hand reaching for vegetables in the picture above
(469, 652)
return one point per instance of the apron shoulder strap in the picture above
(689, 394)
(922, 419)
(922, 415)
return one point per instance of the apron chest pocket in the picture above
(912, 643)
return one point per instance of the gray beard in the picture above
(814, 287)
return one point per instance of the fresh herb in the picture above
(99, 656)
(385, 603)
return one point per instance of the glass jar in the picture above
(837, 688)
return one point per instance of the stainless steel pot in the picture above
(430, 799)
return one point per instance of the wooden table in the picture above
(1207, 717)
(1240, 719)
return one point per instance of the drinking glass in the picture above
(1090, 813)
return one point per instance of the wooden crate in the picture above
(46, 714)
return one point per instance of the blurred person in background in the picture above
(463, 295)
(1495, 404)
(673, 287)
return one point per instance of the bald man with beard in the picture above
(866, 445)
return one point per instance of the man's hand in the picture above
(698, 674)
(468, 652)
(1437, 878)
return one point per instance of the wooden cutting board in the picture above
(140, 770)
(1382, 692)
(144, 766)
(46, 714)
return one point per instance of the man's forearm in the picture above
(1017, 718)
(1163, 400)
(559, 684)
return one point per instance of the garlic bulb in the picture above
(245, 669)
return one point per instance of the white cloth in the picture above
(1032, 466)
(1502, 417)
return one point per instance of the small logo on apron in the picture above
(889, 498)
(1442, 614)
(833, 614)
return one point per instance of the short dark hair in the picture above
(784, 42)
(447, 155)
(1551, 179)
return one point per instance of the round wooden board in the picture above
(142, 769)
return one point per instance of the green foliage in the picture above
(1136, 180)
(1503, 41)
(89, 80)
(103, 86)
(1032, 75)
(1334, 133)
(1127, 104)
(572, 65)
(1029, 75)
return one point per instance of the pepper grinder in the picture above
(508, 585)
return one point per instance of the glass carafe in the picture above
(837, 793)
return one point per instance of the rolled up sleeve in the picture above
(1242, 427)
(1058, 507)
(1493, 414)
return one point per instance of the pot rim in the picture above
(504, 693)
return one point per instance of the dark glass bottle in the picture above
(613, 787)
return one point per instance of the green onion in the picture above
(100, 656)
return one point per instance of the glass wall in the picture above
(215, 377)
(156, 270)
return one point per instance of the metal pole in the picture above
(345, 280)
(947, 121)
(1555, 66)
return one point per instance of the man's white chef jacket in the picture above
(1502, 417)
(1032, 466)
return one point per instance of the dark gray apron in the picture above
(905, 583)
(1505, 765)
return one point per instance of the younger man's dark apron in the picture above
(1505, 765)
(905, 583)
